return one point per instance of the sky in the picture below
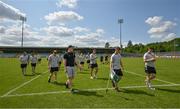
(89, 23)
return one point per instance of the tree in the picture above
(129, 43)
(107, 45)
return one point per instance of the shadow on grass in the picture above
(88, 93)
(58, 83)
(82, 72)
(169, 90)
(29, 75)
(103, 78)
(137, 92)
(38, 73)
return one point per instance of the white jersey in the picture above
(115, 61)
(87, 57)
(81, 58)
(53, 60)
(60, 58)
(24, 59)
(149, 56)
(93, 58)
(33, 59)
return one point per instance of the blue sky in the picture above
(102, 16)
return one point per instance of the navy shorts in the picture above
(94, 65)
(33, 64)
(150, 70)
(23, 65)
(88, 61)
(118, 72)
(54, 69)
(81, 63)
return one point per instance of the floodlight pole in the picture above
(22, 33)
(174, 47)
(120, 21)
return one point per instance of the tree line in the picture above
(167, 46)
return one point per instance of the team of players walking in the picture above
(71, 60)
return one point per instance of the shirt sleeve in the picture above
(65, 56)
(144, 57)
(111, 60)
(49, 58)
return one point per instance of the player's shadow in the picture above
(137, 92)
(169, 90)
(88, 93)
(38, 73)
(102, 78)
(29, 75)
(58, 83)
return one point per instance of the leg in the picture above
(92, 73)
(152, 76)
(96, 71)
(50, 77)
(55, 76)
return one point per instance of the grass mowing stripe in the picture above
(9, 92)
(130, 72)
(95, 89)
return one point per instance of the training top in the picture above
(70, 59)
(81, 58)
(115, 60)
(33, 59)
(93, 58)
(149, 56)
(53, 60)
(24, 59)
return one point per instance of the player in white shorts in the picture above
(24, 59)
(53, 64)
(149, 60)
(33, 59)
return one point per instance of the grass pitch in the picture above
(17, 91)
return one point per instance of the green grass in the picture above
(162, 97)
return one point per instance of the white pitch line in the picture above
(12, 90)
(145, 76)
(95, 89)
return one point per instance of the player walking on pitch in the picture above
(69, 66)
(116, 68)
(53, 65)
(24, 59)
(93, 64)
(149, 60)
(33, 59)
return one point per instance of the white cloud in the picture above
(169, 37)
(2, 29)
(67, 3)
(62, 16)
(9, 12)
(100, 31)
(160, 29)
(153, 21)
(81, 29)
(167, 25)
(58, 31)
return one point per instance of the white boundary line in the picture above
(145, 76)
(95, 89)
(25, 83)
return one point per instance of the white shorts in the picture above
(70, 71)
